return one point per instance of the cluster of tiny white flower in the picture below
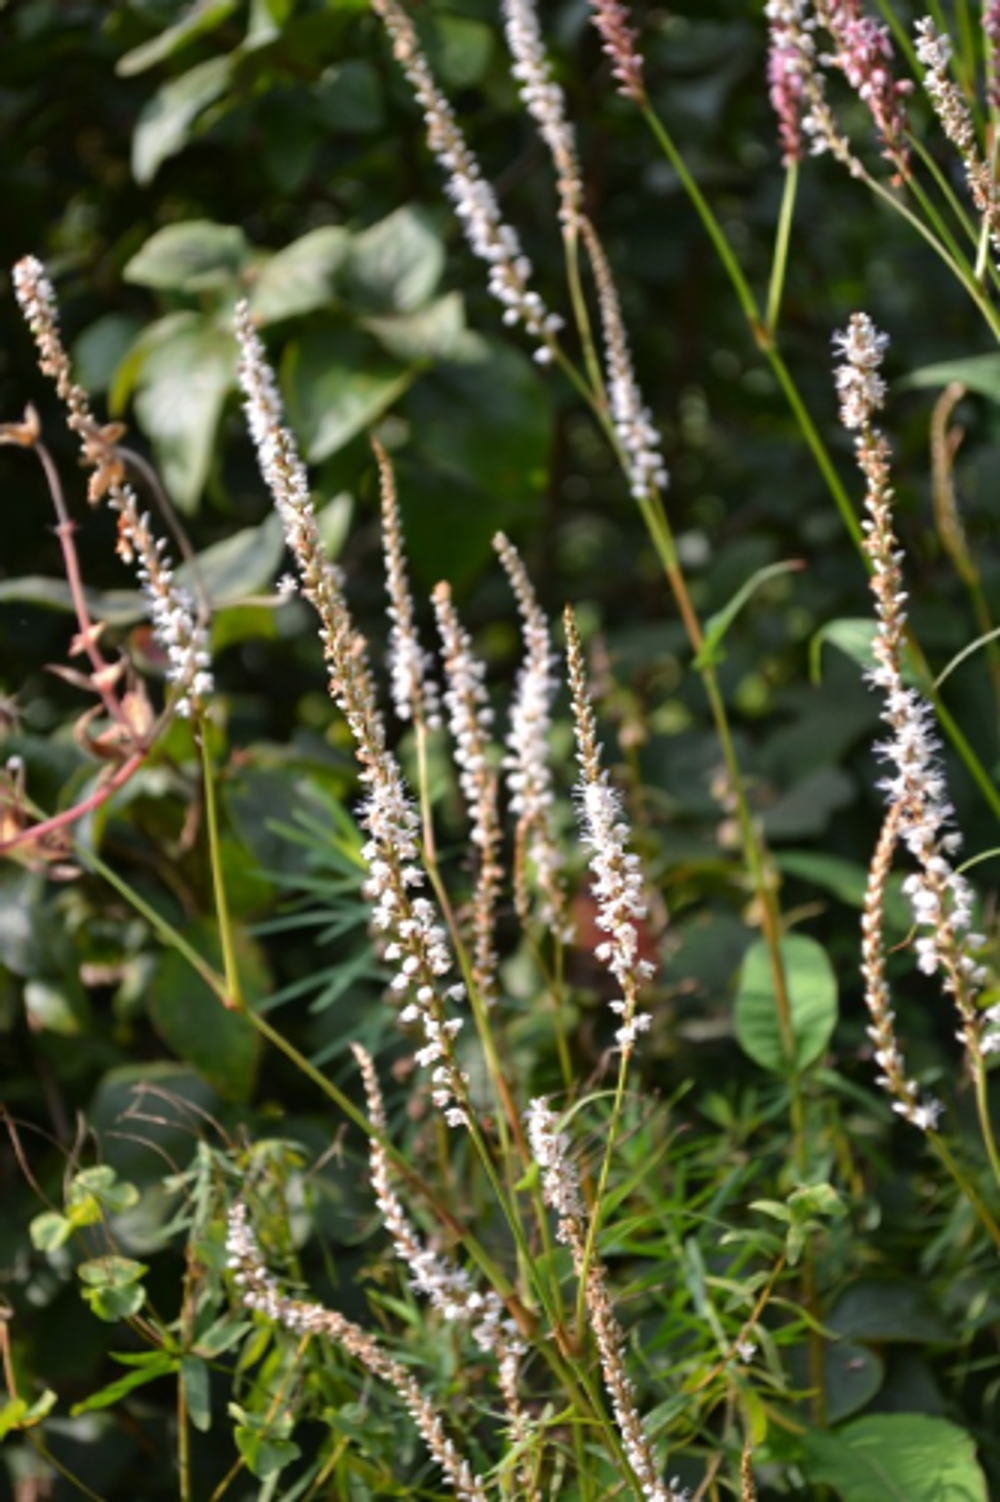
(176, 626)
(634, 427)
(447, 1286)
(915, 790)
(550, 1149)
(489, 237)
(412, 936)
(469, 720)
(172, 609)
(616, 880)
(934, 52)
(259, 1290)
(529, 774)
(859, 385)
(412, 690)
(543, 99)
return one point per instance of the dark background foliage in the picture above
(280, 119)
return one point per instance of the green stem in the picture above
(966, 1187)
(234, 993)
(782, 239)
(581, 316)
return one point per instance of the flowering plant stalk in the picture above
(567, 1291)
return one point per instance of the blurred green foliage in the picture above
(270, 149)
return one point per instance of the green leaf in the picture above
(434, 332)
(194, 1377)
(854, 638)
(263, 1456)
(201, 17)
(166, 123)
(101, 348)
(812, 998)
(57, 1007)
(49, 1231)
(119, 607)
(190, 257)
(338, 384)
(847, 881)
(980, 373)
(300, 278)
(881, 1309)
(718, 624)
(18, 1414)
(103, 1185)
(221, 1338)
(461, 49)
(852, 1375)
(111, 1272)
(222, 1045)
(242, 564)
(183, 386)
(113, 1304)
(807, 808)
(394, 266)
(163, 1365)
(896, 1457)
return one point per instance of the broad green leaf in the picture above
(57, 1007)
(183, 386)
(49, 1231)
(852, 1375)
(163, 1366)
(263, 1456)
(980, 373)
(883, 1309)
(812, 997)
(111, 1272)
(348, 98)
(461, 49)
(113, 1304)
(300, 278)
(190, 257)
(896, 1457)
(394, 266)
(200, 17)
(102, 347)
(194, 1377)
(221, 1338)
(338, 384)
(167, 121)
(434, 332)
(845, 880)
(103, 1185)
(718, 624)
(222, 1045)
(243, 564)
(119, 607)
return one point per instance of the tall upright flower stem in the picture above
(765, 341)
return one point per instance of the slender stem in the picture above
(581, 316)
(35, 832)
(233, 999)
(966, 1186)
(782, 240)
(985, 1119)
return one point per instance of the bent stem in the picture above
(965, 1186)
(808, 428)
